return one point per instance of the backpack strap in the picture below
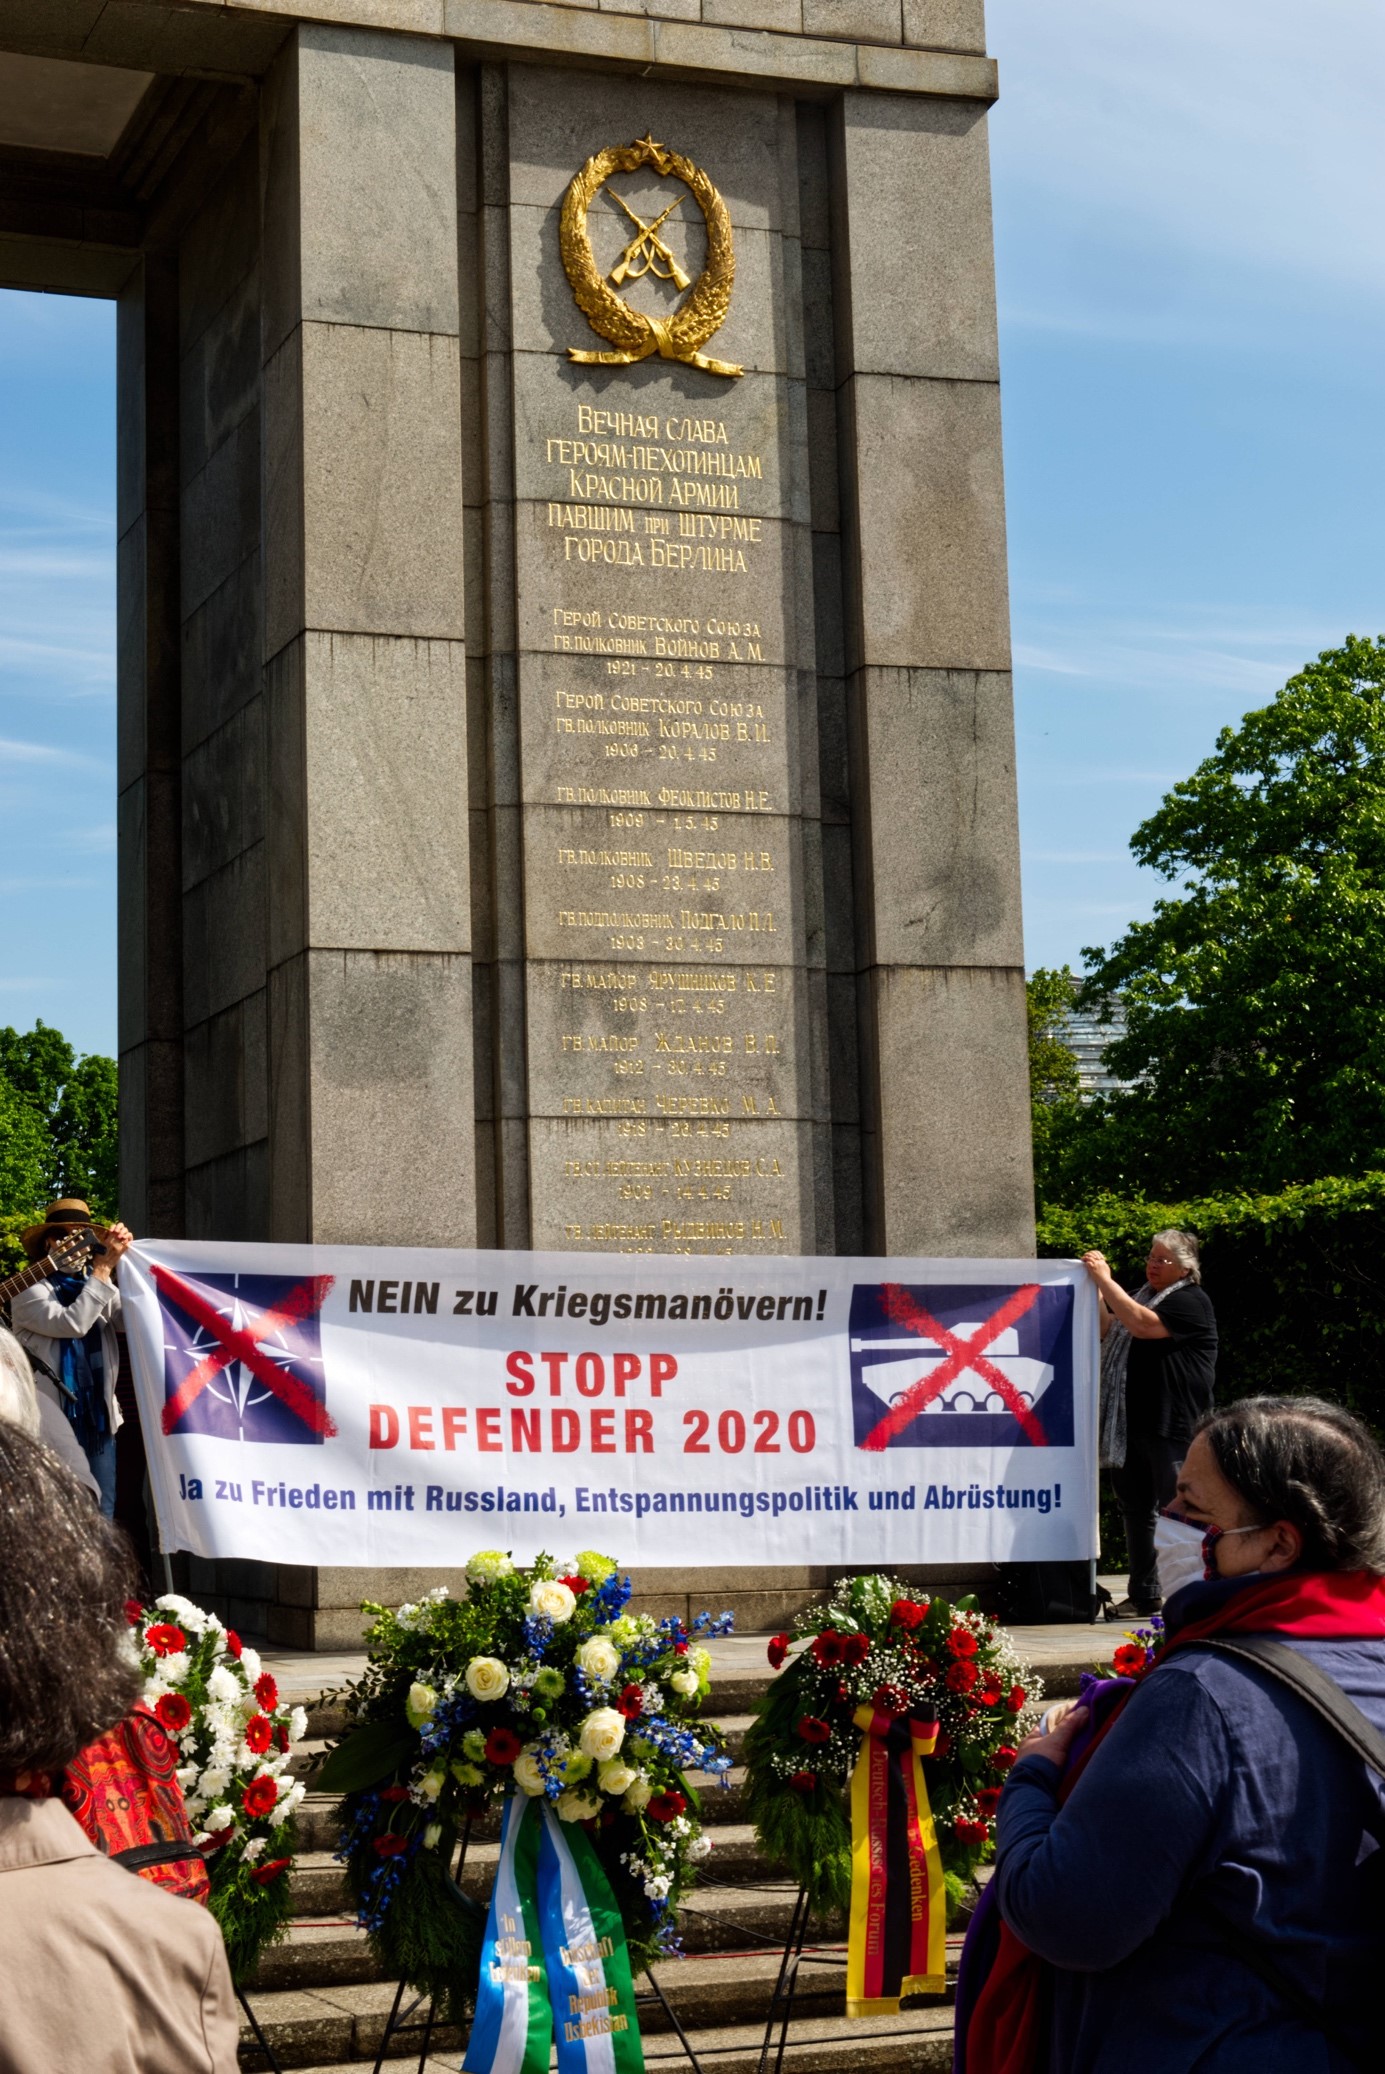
(138, 1856)
(1285, 1664)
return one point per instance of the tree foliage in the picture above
(1055, 1090)
(57, 1123)
(1253, 1021)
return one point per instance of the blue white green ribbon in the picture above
(513, 2026)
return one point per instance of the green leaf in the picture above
(369, 1754)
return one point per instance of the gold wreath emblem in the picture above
(636, 335)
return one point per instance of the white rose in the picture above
(685, 1682)
(616, 1776)
(577, 1805)
(599, 1660)
(638, 1796)
(602, 1734)
(528, 1777)
(419, 1706)
(219, 1819)
(431, 1785)
(486, 1678)
(552, 1601)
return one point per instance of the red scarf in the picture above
(1006, 2025)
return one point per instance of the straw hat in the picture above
(67, 1213)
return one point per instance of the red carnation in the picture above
(988, 1799)
(281, 1738)
(812, 1729)
(990, 1685)
(803, 1782)
(266, 1692)
(631, 1702)
(778, 1649)
(962, 1642)
(827, 1648)
(855, 1648)
(134, 1612)
(259, 1733)
(165, 1639)
(576, 1585)
(961, 1676)
(665, 1806)
(680, 1648)
(260, 1797)
(265, 1875)
(1003, 1758)
(888, 1699)
(969, 1832)
(391, 1794)
(909, 1613)
(173, 1711)
(233, 1644)
(390, 1846)
(503, 1746)
(1129, 1659)
(1017, 1698)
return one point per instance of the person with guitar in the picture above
(66, 1321)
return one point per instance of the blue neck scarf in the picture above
(82, 1366)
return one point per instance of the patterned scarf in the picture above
(1115, 1355)
(82, 1366)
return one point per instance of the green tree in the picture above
(57, 1123)
(1253, 994)
(1054, 1087)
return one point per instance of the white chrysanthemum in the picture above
(294, 1799)
(578, 1804)
(602, 1733)
(173, 1669)
(684, 1682)
(253, 1848)
(551, 1600)
(250, 1662)
(154, 1690)
(219, 1819)
(599, 1659)
(486, 1678)
(182, 1612)
(527, 1774)
(224, 1685)
(487, 1564)
(699, 1847)
(283, 1787)
(214, 1781)
(298, 1724)
(187, 1776)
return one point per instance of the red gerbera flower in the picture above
(962, 1642)
(576, 1585)
(827, 1648)
(259, 1733)
(812, 1729)
(803, 1782)
(888, 1699)
(265, 1875)
(855, 1648)
(233, 1642)
(390, 1845)
(173, 1711)
(961, 1676)
(1003, 1758)
(1129, 1659)
(1017, 1698)
(134, 1612)
(503, 1746)
(631, 1702)
(165, 1639)
(988, 1799)
(260, 1797)
(778, 1649)
(909, 1613)
(665, 1806)
(266, 1692)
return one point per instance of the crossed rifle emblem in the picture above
(646, 252)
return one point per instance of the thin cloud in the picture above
(49, 753)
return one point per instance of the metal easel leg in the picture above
(390, 2021)
(672, 2016)
(265, 2047)
(788, 1971)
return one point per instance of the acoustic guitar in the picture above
(69, 1256)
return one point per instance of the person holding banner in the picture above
(66, 1325)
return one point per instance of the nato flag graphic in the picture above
(936, 1365)
(243, 1357)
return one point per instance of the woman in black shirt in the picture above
(1159, 1354)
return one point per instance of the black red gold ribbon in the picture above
(896, 1944)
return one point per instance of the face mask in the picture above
(1209, 1545)
(1178, 1549)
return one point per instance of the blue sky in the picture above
(1191, 264)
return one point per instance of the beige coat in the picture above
(102, 1972)
(40, 1322)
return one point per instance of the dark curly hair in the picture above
(67, 1671)
(1308, 1462)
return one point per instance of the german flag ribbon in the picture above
(896, 1944)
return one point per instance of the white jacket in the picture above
(40, 1322)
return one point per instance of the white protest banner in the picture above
(370, 1405)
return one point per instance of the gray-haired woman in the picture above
(1158, 1365)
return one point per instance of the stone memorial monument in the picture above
(566, 765)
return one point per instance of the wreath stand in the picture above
(401, 2019)
(265, 2047)
(781, 2001)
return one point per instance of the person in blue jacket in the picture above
(1209, 1895)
